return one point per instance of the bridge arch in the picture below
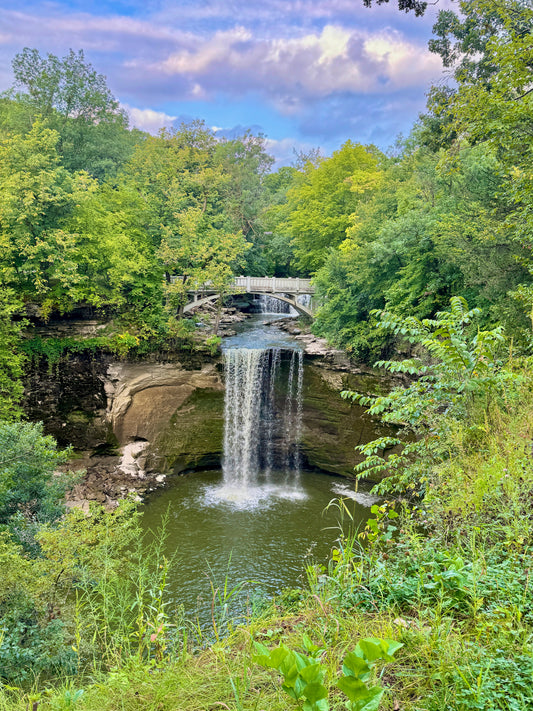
(300, 308)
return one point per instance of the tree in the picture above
(457, 365)
(180, 177)
(11, 361)
(278, 249)
(74, 100)
(246, 163)
(436, 227)
(463, 41)
(198, 254)
(416, 6)
(30, 490)
(70, 86)
(499, 112)
(40, 255)
(325, 197)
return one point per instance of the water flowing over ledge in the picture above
(262, 428)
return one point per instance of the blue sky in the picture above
(307, 73)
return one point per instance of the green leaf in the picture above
(370, 703)
(353, 688)
(355, 666)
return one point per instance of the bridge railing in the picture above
(274, 285)
(267, 285)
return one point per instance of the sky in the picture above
(305, 73)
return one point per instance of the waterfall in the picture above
(270, 305)
(262, 418)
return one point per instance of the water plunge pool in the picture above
(264, 537)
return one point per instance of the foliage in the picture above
(53, 349)
(498, 111)
(323, 200)
(29, 489)
(11, 362)
(180, 178)
(93, 596)
(74, 100)
(245, 162)
(417, 6)
(461, 370)
(278, 248)
(427, 234)
(303, 676)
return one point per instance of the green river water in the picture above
(264, 542)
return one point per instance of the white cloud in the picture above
(323, 63)
(314, 65)
(148, 119)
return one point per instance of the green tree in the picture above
(30, 490)
(498, 111)
(11, 362)
(457, 368)
(40, 254)
(118, 258)
(180, 177)
(74, 100)
(464, 40)
(325, 198)
(278, 247)
(431, 231)
(246, 163)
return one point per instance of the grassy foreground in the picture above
(444, 572)
(459, 599)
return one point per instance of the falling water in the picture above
(244, 385)
(262, 428)
(271, 305)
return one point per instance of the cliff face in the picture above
(333, 427)
(177, 411)
(134, 423)
(130, 423)
(70, 398)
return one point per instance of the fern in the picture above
(458, 368)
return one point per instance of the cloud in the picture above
(148, 119)
(276, 15)
(321, 68)
(289, 64)
(293, 70)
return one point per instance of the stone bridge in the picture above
(284, 289)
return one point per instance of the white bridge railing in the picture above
(259, 285)
(285, 289)
(274, 285)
